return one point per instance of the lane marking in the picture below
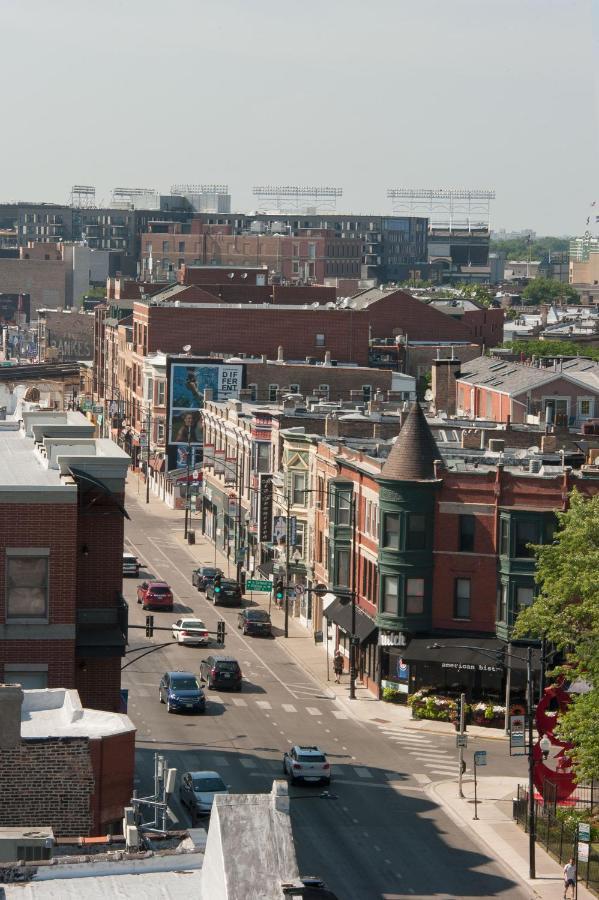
(220, 760)
(339, 715)
(289, 707)
(421, 778)
(362, 772)
(263, 704)
(313, 711)
(247, 763)
(238, 701)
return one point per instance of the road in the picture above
(376, 834)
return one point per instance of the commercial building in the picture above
(64, 335)
(62, 615)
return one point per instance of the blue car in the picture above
(182, 692)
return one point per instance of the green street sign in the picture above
(252, 585)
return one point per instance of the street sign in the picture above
(461, 740)
(583, 852)
(518, 727)
(86, 405)
(584, 831)
(480, 757)
(98, 408)
(299, 590)
(254, 585)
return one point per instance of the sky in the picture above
(360, 94)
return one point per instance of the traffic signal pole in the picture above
(462, 727)
(287, 548)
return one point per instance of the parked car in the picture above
(203, 576)
(228, 595)
(221, 672)
(131, 565)
(197, 790)
(181, 691)
(254, 621)
(155, 595)
(190, 631)
(305, 763)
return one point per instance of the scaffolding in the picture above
(298, 198)
(447, 210)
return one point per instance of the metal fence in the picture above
(558, 837)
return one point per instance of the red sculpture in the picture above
(557, 767)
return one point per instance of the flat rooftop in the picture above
(20, 466)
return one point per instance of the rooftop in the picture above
(514, 378)
(57, 712)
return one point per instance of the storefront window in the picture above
(414, 596)
(416, 538)
(391, 531)
(390, 594)
(462, 598)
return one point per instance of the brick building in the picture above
(61, 765)
(64, 335)
(64, 621)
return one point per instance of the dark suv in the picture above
(203, 576)
(229, 593)
(181, 691)
(254, 621)
(221, 672)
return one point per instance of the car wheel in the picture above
(284, 768)
(238, 688)
(293, 779)
(214, 601)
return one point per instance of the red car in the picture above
(155, 595)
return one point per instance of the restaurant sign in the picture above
(473, 667)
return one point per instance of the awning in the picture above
(341, 614)
(267, 567)
(461, 652)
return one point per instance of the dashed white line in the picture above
(239, 702)
(289, 707)
(247, 763)
(313, 711)
(362, 772)
(339, 715)
(263, 704)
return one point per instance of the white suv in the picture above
(306, 764)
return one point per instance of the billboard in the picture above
(187, 382)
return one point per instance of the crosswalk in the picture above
(436, 760)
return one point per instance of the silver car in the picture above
(197, 791)
(190, 631)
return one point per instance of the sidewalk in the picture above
(495, 829)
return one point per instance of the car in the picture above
(131, 565)
(190, 631)
(225, 591)
(197, 790)
(203, 576)
(221, 672)
(306, 763)
(182, 692)
(254, 621)
(155, 595)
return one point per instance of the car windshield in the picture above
(207, 785)
(159, 589)
(209, 573)
(185, 684)
(227, 666)
(257, 615)
(311, 757)
(192, 623)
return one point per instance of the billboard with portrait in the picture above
(188, 379)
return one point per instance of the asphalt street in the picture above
(375, 833)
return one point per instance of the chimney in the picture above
(331, 426)
(327, 357)
(444, 375)
(280, 356)
(11, 699)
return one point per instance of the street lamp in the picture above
(498, 656)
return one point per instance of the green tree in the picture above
(566, 613)
(539, 248)
(546, 290)
(480, 293)
(551, 348)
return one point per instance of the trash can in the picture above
(191, 537)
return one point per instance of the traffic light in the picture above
(149, 626)
(458, 715)
(220, 631)
(279, 591)
(217, 587)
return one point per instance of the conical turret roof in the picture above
(414, 451)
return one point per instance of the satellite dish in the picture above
(187, 348)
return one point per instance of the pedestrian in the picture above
(569, 877)
(338, 666)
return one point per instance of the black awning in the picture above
(455, 652)
(341, 614)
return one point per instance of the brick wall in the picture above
(59, 656)
(47, 782)
(113, 761)
(98, 680)
(101, 529)
(43, 280)
(398, 312)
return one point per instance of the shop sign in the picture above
(583, 852)
(392, 639)
(265, 508)
(473, 667)
(584, 831)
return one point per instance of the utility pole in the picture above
(148, 432)
(532, 824)
(354, 579)
(287, 551)
(238, 544)
(462, 727)
(186, 527)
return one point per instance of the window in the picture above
(461, 598)
(298, 489)
(165, 246)
(319, 340)
(300, 540)
(26, 584)
(342, 568)
(31, 676)
(502, 594)
(504, 537)
(181, 246)
(391, 531)
(524, 597)
(343, 508)
(323, 389)
(414, 596)
(160, 433)
(160, 393)
(416, 538)
(272, 392)
(253, 389)
(584, 407)
(526, 533)
(390, 594)
(311, 251)
(294, 388)
(466, 542)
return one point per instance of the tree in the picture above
(480, 293)
(566, 613)
(546, 290)
(539, 248)
(539, 349)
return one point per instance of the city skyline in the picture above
(413, 95)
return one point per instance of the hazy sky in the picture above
(360, 94)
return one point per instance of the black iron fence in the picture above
(556, 831)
